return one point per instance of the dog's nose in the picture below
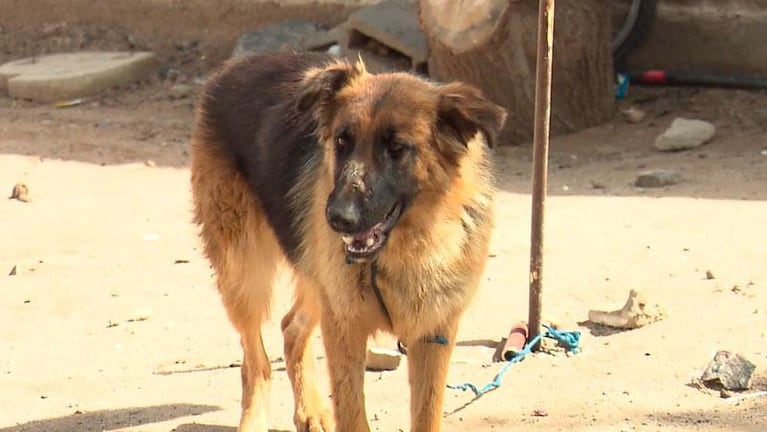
(343, 216)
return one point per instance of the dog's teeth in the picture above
(347, 239)
(370, 241)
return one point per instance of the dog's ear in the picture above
(463, 111)
(320, 85)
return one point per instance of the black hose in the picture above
(661, 77)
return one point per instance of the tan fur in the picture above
(431, 267)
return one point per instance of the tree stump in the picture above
(492, 45)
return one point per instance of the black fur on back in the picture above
(250, 115)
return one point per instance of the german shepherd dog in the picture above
(376, 190)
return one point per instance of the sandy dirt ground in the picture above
(111, 321)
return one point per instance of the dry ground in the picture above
(112, 322)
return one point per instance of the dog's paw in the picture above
(253, 422)
(321, 422)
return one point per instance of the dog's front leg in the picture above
(428, 362)
(345, 345)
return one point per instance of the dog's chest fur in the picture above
(425, 276)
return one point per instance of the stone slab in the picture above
(392, 23)
(296, 35)
(58, 77)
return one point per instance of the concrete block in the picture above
(391, 23)
(65, 76)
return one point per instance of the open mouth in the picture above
(362, 246)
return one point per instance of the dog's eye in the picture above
(341, 144)
(396, 149)
(343, 141)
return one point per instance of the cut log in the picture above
(492, 45)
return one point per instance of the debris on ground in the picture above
(684, 134)
(741, 289)
(140, 314)
(514, 343)
(180, 91)
(634, 115)
(69, 103)
(382, 359)
(636, 313)
(657, 178)
(728, 371)
(20, 192)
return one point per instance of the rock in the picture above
(634, 115)
(597, 185)
(180, 91)
(296, 35)
(392, 27)
(657, 178)
(381, 359)
(20, 192)
(58, 77)
(167, 73)
(636, 313)
(709, 275)
(728, 371)
(685, 134)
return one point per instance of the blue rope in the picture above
(570, 340)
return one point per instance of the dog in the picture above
(374, 190)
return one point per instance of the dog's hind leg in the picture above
(256, 378)
(245, 283)
(244, 253)
(311, 415)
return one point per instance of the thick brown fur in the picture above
(264, 164)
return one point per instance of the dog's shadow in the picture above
(98, 421)
(198, 427)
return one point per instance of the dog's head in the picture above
(389, 140)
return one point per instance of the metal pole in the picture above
(540, 159)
